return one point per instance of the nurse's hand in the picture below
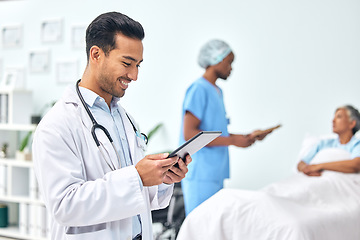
(259, 135)
(176, 174)
(153, 168)
(239, 140)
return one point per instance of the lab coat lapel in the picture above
(71, 97)
(130, 134)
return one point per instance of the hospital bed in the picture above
(297, 208)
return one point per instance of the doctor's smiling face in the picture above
(114, 52)
(119, 67)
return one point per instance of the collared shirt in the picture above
(112, 121)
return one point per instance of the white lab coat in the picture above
(85, 199)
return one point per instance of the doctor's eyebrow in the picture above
(132, 59)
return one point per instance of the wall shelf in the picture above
(16, 163)
(16, 199)
(13, 232)
(17, 127)
(19, 191)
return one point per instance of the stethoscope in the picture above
(95, 126)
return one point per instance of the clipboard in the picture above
(194, 144)
(269, 130)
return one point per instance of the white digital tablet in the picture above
(194, 144)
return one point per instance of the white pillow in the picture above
(331, 155)
(310, 141)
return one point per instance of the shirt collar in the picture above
(114, 102)
(90, 98)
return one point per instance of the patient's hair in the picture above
(353, 115)
(103, 29)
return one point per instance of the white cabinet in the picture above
(19, 191)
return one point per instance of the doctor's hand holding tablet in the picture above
(172, 167)
(154, 169)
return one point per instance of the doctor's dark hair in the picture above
(353, 115)
(103, 29)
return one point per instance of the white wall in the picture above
(296, 61)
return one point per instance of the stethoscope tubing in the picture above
(95, 126)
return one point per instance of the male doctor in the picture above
(107, 190)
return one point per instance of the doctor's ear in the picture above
(95, 53)
(96, 56)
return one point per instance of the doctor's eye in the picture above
(126, 64)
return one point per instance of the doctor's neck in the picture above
(89, 81)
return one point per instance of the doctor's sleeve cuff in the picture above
(162, 188)
(140, 181)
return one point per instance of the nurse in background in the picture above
(204, 110)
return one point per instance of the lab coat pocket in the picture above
(93, 232)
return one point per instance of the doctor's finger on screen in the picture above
(176, 174)
(152, 168)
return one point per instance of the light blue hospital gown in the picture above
(210, 165)
(353, 147)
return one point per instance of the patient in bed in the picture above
(301, 207)
(346, 123)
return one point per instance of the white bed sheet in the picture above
(298, 208)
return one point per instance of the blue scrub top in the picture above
(205, 101)
(353, 147)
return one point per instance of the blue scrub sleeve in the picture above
(195, 101)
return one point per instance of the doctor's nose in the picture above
(133, 74)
